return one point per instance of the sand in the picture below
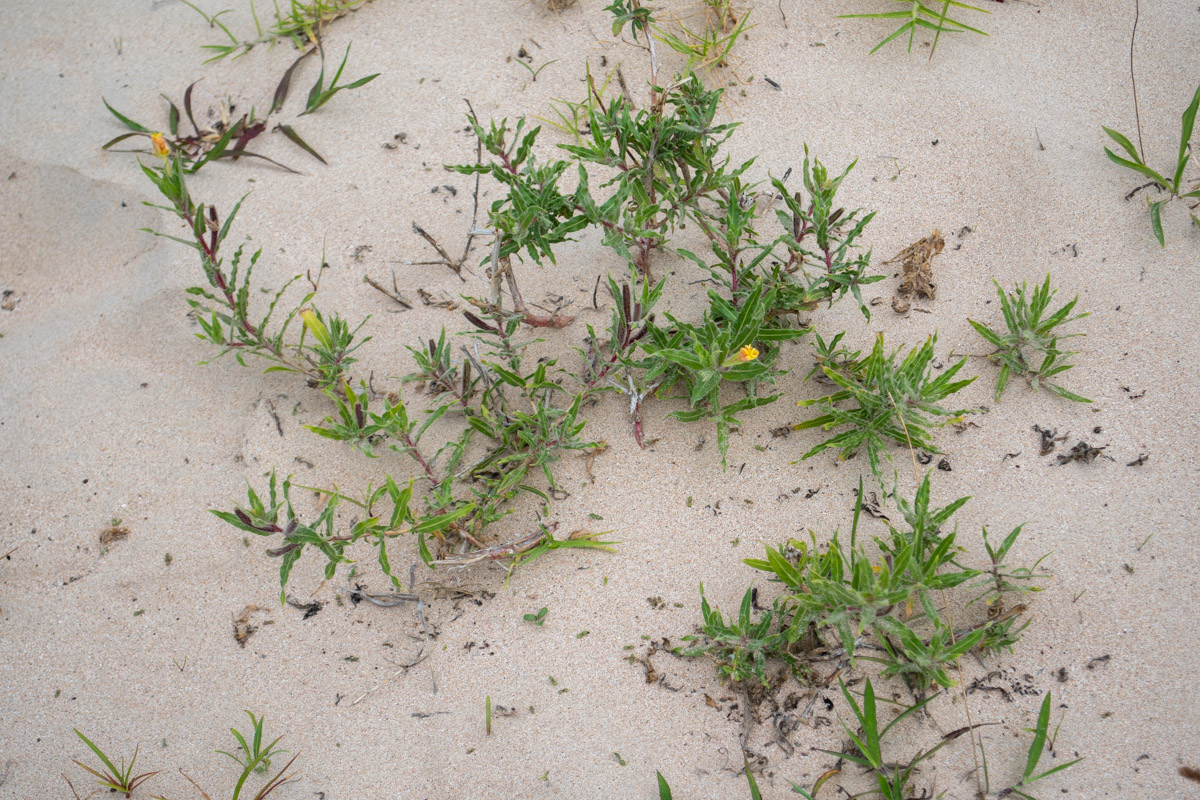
(106, 413)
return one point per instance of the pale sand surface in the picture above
(104, 412)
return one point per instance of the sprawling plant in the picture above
(880, 399)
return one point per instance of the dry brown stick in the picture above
(383, 600)
(395, 295)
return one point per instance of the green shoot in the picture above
(1174, 186)
(917, 16)
(252, 750)
(537, 618)
(300, 23)
(320, 94)
(111, 777)
(1037, 749)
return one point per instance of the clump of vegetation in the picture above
(887, 401)
(254, 757)
(252, 751)
(229, 139)
(115, 779)
(918, 16)
(742, 647)
(846, 594)
(1030, 347)
(847, 601)
(1175, 186)
(708, 45)
(298, 22)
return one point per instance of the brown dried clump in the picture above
(917, 271)
(113, 533)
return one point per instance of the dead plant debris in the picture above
(1050, 439)
(115, 532)
(916, 264)
(1082, 451)
(242, 629)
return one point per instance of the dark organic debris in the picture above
(1082, 451)
(1049, 439)
(310, 609)
(1141, 459)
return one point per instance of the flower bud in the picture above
(161, 148)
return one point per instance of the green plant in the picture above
(229, 139)
(1030, 347)
(252, 750)
(807, 277)
(1036, 749)
(891, 401)
(846, 592)
(538, 618)
(112, 777)
(918, 15)
(222, 307)
(280, 779)
(1174, 186)
(708, 46)
(299, 22)
(891, 777)
(664, 789)
(1001, 580)
(320, 94)
(742, 646)
(723, 350)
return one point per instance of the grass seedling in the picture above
(1175, 186)
(111, 777)
(710, 46)
(1037, 748)
(920, 16)
(320, 94)
(1030, 347)
(252, 750)
(891, 777)
(280, 779)
(890, 401)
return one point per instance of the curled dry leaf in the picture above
(916, 263)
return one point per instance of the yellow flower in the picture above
(742, 356)
(161, 148)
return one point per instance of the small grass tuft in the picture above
(1030, 347)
